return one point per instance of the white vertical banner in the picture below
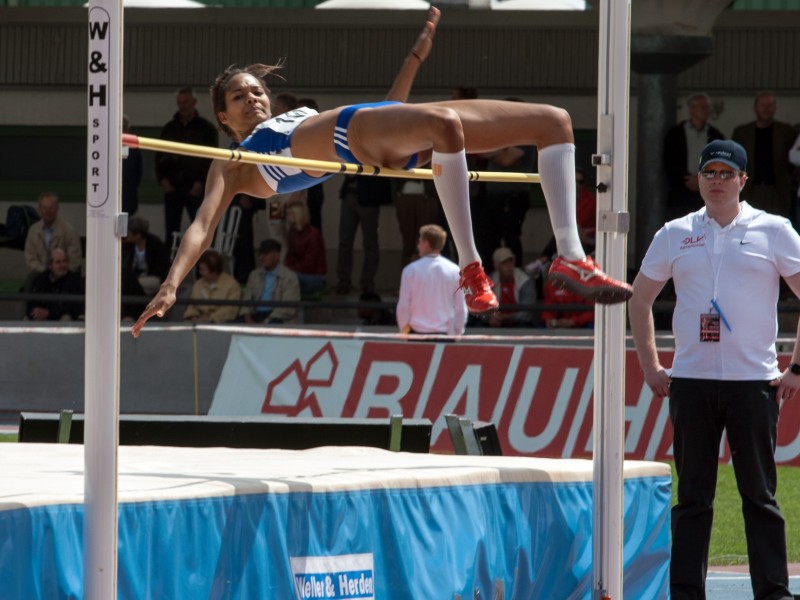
(609, 342)
(104, 155)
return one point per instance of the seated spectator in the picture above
(57, 279)
(145, 254)
(511, 286)
(51, 232)
(214, 284)
(567, 319)
(271, 281)
(305, 251)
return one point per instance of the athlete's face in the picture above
(246, 104)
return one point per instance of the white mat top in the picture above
(42, 474)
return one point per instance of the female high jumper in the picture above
(396, 135)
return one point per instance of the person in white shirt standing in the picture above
(430, 300)
(726, 261)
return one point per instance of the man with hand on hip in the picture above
(726, 261)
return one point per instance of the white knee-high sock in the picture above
(450, 178)
(557, 171)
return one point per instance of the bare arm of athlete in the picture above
(401, 88)
(196, 240)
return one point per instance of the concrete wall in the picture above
(46, 371)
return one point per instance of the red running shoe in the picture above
(477, 289)
(586, 279)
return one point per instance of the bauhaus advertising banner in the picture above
(539, 397)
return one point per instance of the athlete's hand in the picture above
(158, 307)
(422, 47)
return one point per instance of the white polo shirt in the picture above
(744, 262)
(429, 300)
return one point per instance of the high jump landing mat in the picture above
(327, 523)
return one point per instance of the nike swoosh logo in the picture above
(742, 243)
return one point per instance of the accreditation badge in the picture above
(709, 327)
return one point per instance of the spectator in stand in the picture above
(271, 281)
(305, 252)
(283, 103)
(565, 319)
(145, 254)
(416, 205)
(361, 205)
(682, 145)
(315, 195)
(430, 301)
(512, 287)
(183, 178)
(767, 143)
(213, 284)
(57, 279)
(244, 248)
(49, 233)
(131, 174)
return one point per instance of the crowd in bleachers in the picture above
(290, 265)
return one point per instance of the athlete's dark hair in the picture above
(220, 86)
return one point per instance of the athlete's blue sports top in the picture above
(274, 137)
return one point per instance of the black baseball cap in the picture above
(724, 151)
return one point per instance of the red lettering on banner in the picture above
(540, 398)
(388, 380)
(543, 409)
(469, 382)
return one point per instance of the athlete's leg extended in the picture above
(390, 134)
(492, 124)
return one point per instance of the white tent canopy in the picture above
(477, 4)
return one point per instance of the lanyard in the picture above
(718, 269)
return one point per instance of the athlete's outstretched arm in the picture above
(401, 88)
(195, 241)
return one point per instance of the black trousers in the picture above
(174, 203)
(747, 410)
(500, 220)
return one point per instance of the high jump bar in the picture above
(238, 155)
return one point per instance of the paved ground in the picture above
(733, 583)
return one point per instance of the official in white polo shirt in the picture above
(726, 261)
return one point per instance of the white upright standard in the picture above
(609, 342)
(104, 225)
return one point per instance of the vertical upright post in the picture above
(611, 161)
(104, 149)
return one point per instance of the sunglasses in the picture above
(723, 175)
